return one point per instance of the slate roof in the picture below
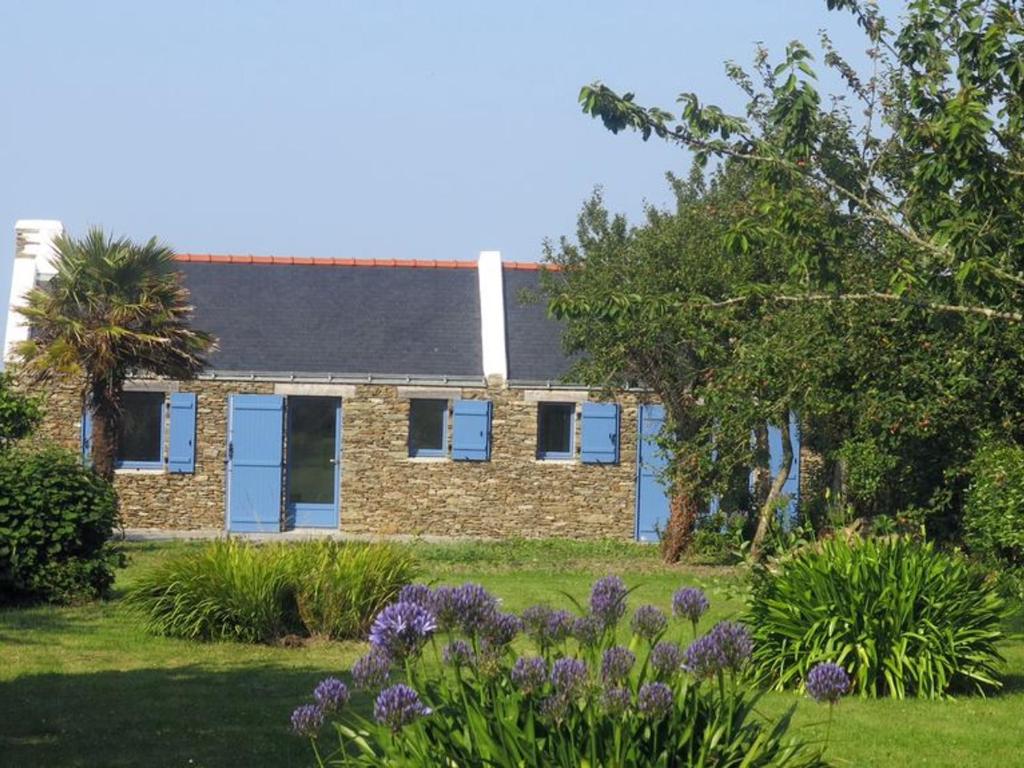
(533, 340)
(272, 316)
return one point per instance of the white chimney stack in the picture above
(33, 264)
(492, 316)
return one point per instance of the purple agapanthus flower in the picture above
(473, 607)
(587, 630)
(555, 708)
(654, 700)
(457, 654)
(546, 626)
(666, 660)
(529, 674)
(735, 642)
(616, 664)
(500, 629)
(446, 611)
(401, 629)
(331, 694)
(398, 706)
(690, 603)
(372, 670)
(616, 701)
(569, 676)
(704, 657)
(827, 682)
(726, 647)
(307, 720)
(420, 594)
(649, 622)
(608, 600)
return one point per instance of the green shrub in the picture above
(341, 587)
(56, 521)
(994, 507)
(902, 617)
(566, 702)
(236, 590)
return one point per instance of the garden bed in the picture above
(87, 686)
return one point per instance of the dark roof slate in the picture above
(397, 321)
(533, 339)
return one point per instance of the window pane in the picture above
(142, 418)
(312, 437)
(554, 428)
(426, 426)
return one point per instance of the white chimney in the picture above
(33, 264)
(492, 316)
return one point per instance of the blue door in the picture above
(314, 439)
(792, 486)
(652, 503)
(255, 448)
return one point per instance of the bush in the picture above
(994, 507)
(579, 700)
(340, 588)
(236, 590)
(902, 617)
(56, 521)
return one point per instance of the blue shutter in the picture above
(600, 435)
(86, 436)
(181, 454)
(471, 431)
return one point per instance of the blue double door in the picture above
(284, 454)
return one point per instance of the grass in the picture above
(85, 686)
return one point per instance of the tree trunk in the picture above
(762, 477)
(683, 509)
(106, 430)
(768, 508)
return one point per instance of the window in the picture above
(142, 431)
(555, 423)
(428, 428)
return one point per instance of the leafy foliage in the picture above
(575, 703)
(233, 590)
(904, 618)
(994, 510)
(19, 414)
(112, 310)
(340, 588)
(887, 312)
(56, 520)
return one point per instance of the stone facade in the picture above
(383, 490)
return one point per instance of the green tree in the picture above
(887, 312)
(114, 309)
(616, 287)
(931, 170)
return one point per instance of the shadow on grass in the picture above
(184, 716)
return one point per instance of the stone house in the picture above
(374, 397)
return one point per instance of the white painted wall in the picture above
(492, 315)
(33, 263)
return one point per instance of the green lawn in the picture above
(84, 687)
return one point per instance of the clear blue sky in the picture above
(365, 129)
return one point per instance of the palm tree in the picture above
(114, 309)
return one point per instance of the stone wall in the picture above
(513, 494)
(383, 491)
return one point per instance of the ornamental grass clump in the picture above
(452, 684)
(899, 616)
(236, 590)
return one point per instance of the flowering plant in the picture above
(456, 681)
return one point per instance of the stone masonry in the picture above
(383, 491)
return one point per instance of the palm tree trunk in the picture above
(106, 430)
(768, 508)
